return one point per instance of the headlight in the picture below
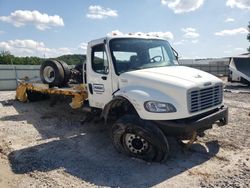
(159, 107)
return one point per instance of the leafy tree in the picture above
(5, 57)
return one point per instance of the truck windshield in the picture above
(130, 54)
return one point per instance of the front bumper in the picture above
(198, 123)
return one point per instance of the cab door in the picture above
(98, 75)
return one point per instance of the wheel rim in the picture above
(136, 144)
(49, 74)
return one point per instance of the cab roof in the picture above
(109, 37)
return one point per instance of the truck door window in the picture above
(99, 59)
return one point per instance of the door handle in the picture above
(104, 77)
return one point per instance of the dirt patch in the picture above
(44, 146)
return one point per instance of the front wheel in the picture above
(140, 139)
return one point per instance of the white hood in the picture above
(175, 76)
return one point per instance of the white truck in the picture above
(137, 86)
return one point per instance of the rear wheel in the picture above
(140, 139)
(66, 70)
(52, 73)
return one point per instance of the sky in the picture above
(195, 28)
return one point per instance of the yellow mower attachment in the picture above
(77, 92)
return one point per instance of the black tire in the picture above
(35, 96)
(56, 77)
(155, 145)
(66, 71)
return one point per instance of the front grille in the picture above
(201, 99)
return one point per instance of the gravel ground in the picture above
(43, 146)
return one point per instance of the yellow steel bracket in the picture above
(77, 101)
(21, 94)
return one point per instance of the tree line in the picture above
(7, 58)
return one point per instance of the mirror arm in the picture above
(175, 53)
